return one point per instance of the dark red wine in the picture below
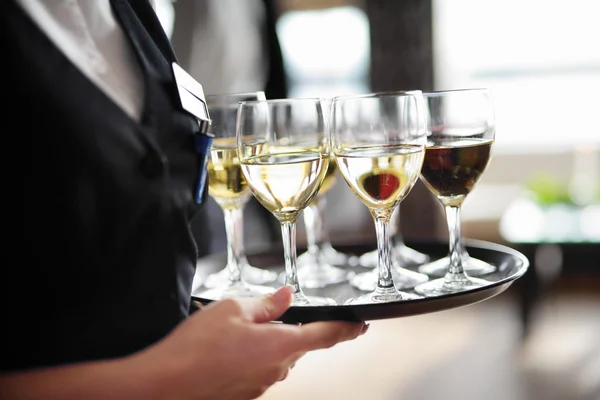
(451, 169)
(382, 185)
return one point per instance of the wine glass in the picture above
(320, 265)
(462, 128)
(379, 144)
(284, 150)
(320, 262)
(228, 187)
(401, 255)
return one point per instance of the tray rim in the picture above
(304, 314)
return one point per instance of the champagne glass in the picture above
(228, 187)
(462, 128)
(401, 255)
(379, 144)
(284, 149)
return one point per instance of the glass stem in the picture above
(315, 235)
(384, 262)
(394, 229)
(321, 237)
(288, 233)
(235, 246)
(395, 222)
(455, 271)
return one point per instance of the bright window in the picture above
(540, 58)
(326, 52)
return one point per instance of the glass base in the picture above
(319, 276)
(237, 290)
(472, 267)
(408, 256)
(403, 279)
(330, 256)
(442, 286)
(252, 275)
(403, 254)
(301, 300)
(381, 295)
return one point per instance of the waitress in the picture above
(98, 306)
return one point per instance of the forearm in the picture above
(127, 378)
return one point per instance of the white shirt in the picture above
(88, 34)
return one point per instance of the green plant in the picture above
(549, 190)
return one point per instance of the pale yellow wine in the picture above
(381, 176)
(285, 183)
(226, 182)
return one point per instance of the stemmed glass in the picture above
(379, 144)
(284, 150)
(320, 265)
(401, 255)
(228, 187)
(462, 128)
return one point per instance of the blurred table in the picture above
(560, 240)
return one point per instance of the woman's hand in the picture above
(230, 351)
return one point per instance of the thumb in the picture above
(271, 306)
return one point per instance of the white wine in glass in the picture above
(228, 187)
(284, 152)
(378, 141)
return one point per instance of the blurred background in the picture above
(540, 194)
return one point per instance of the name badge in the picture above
(191, 97)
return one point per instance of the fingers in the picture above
(291, 363)
(285, 374)
(321, 335)
(269, 307)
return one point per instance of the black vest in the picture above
(108, 256)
